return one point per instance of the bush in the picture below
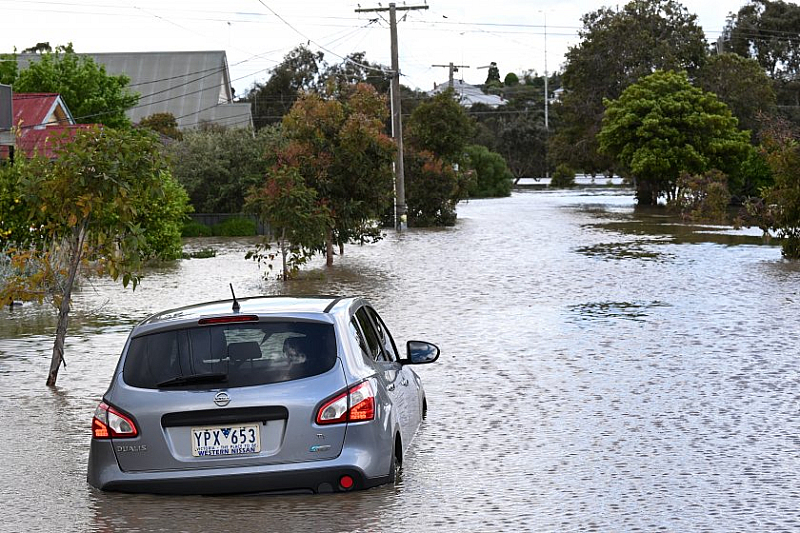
(195, 229)
(235, 227)
(492, 177)
(563, 177)
(703, 197)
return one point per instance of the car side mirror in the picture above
(421, 352)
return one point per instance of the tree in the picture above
(342, 152)
(492, 177)
(617, 48)
(524, 144)
(92, 95)
(441, 126)
(271, 101)
(493, 76)
(517, 130)
(779, 208)
(8, 68)
(218, 166)
(295, 214)
(355, 69)
(433, 188)
(439, 131)
(93, 206)
(662, 127)
(511, 80)
(766, 31)
(742, 84)
(703, 197)
(163, 123)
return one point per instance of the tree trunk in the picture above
(283, 255)
(75, 254)
(645, 195)
(329, 247)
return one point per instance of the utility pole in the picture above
(546, 101)
(397, 125)
(453, 68)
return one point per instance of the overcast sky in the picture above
(256, 34)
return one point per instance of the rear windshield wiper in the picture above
(216, 377)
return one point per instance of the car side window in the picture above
(384, 336)
(355, 331)
(375, 347)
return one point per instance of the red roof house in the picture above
(41, 120)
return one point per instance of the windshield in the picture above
(235, 355)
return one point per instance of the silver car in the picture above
(267, 394)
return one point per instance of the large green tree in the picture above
(617, 47)
(662, 127)
(92, 95)
(106, 203)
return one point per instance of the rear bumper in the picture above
(316, 477)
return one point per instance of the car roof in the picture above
(259, 305)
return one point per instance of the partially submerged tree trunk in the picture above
(329, 247)
(283, 255)
(75, 254)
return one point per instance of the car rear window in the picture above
(230, 355)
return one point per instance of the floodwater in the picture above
(603, 369)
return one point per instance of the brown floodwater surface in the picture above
(603, 369)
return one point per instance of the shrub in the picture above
(704, 197)
(563, 177)
(235, 227)
(195, 229)
(492, 177)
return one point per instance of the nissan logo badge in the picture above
(222, 399)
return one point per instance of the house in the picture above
(195, 87)
(469, 95)
(39, 121)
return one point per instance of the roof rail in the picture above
(336, 300)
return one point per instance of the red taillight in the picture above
(109, 423)
(355, 405)
(228, 319)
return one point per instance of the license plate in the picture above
(225, 440)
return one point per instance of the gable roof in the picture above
(37, 110)
(42, 122)
(194, 86)
(469, 94)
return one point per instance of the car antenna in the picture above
(236, 305)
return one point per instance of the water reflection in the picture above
(602, 369)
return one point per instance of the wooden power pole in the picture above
(453, 68)
(397, 125)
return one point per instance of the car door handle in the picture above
(390, 387)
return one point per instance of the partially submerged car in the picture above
(267, 394)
